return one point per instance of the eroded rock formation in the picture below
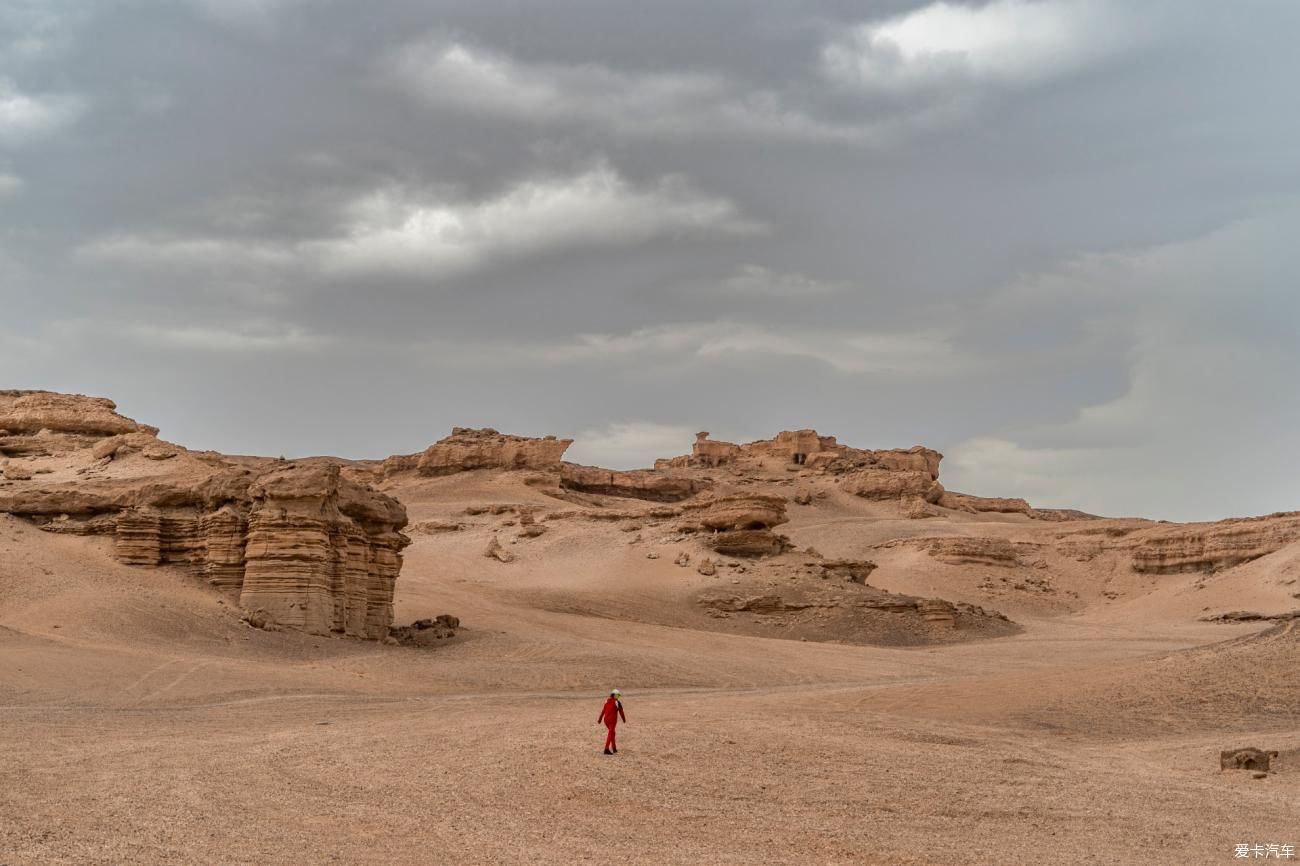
(1206, 547)
(962, 549)
(296, 542)
(466, 449)
(741, 524)
(648, 484)
(1248, 758)
(882, 483)
(972, 504)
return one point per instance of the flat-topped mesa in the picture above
(297, 543)
(468, 449)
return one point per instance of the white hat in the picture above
(616, 693)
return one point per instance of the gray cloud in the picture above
(1050, 238)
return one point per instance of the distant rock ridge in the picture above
(467, 449)
(297, 542)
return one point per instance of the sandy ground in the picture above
(142, 723)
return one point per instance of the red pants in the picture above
(609, 738)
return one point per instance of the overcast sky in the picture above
(1053, 239)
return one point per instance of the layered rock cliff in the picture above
(296, 541)
(1206, 547)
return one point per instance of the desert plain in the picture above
(825, 658)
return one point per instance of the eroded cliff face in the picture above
(1206, 547)
(297, 542)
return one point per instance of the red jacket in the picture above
(611, 712)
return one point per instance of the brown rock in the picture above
(962, 550)
(706, 567)
(1207, 547)
(756, 604)
(973, 504)
(322, 553)
(467, 449)
(497, 552)
(647, 484)
(749, 543)
(33, 411)
(1246, 759)
(851, 570)
(876, 483)
(425, 632)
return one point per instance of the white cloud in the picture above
(598, 208)
(10, 185)
(24, 116)
(388, 231)
(758, 281)
(1002, 42)
(256, 335)
(186, 254)
(629, 445)
(903, 354)
(481, 81)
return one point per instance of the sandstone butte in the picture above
(315, 545)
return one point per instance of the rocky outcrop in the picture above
(851, 570)
(296, 543)
(806, 448)
(739, 525)
(322, 553)
(29, 412)
(467, 449)
(709, 452)
(1207, 547)
(962, 549)
(750, 543)
(973, 504)
(495, 551)
(425, 632)
(648, 484)
(755, 604)
(900, 484)
(1246, 759)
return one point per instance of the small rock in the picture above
(652, 555)
(497, 552)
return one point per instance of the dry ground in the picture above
(142, 723)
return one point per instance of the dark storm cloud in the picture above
(1050, 238)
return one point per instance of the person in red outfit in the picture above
(610, 715)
